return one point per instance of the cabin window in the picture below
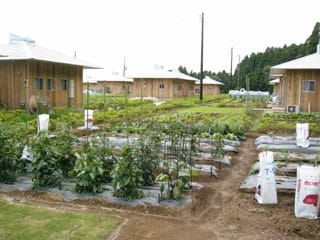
(161, 86)
(309, 85)
(191, 88)
(63, 85)
(179, 87)
(39, 84)
(50, 84)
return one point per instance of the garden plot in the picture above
(204, 154)
(66, 193)
(287, 156)
(151, 195)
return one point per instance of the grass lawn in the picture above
(25, 222)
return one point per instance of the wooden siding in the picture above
(162, 88)
(14, 94)
(114, 87)
(291, 87)
(208, 89)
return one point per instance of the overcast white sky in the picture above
(163, 32)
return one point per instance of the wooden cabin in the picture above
(299, 83)
(163, 84)
(209, 86)
(111, 84)
(276, 86)
(29, 72)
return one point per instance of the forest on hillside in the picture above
(254, 69)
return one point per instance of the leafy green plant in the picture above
(127, 177)
(44, 166)
(104, 154)
(88, 170)
(65, 149)
(10, 152)
(177, 179)
(147, 151)
(218, 144)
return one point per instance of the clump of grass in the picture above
(25, 222)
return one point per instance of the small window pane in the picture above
(309, 86)
(63, 85)
(39, 84)
(50, 84)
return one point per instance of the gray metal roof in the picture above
(311, 61)
(34, 52)
(171, 74)
(209, 81)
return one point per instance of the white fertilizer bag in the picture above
(88, 118)
(266, 190)
(43, 122)
(302, 130)
(307, 192)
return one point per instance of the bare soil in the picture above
(219, 210)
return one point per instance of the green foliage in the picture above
(65, 149)
(10, 152)
(88, 170)
(176, 175)
(45, 167)
(256, 66)
(127, 177)
(147, 151)
(104, 154)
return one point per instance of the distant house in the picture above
(210, 86)
(162, 84)
(299, 83)
(28, 72)
(276, 86)
(106, 83)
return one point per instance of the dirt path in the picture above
(219, 210)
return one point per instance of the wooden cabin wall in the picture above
(58, 96)
(142, 88)
(162, 88)
(208, 89)
(92, 86)
(118, 87)
(294, 93)
(276, 89)
(12, 91)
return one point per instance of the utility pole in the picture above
(124, 68)
(201, 62)
(238, 82)
(231, 66)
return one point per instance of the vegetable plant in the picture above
(10, 152)
(127, 177)
(65, 149)
(88, 170)
(147, 150)
(44, 166)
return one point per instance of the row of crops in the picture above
(163, 155)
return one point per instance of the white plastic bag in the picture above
(266, 190)
(43, 122)
(307, 192)
(302, 138)
(88, 118)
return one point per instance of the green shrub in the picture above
(127, 177)
(88, 170)
(45, 167)
(11, 147)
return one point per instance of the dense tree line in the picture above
(254, 69)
